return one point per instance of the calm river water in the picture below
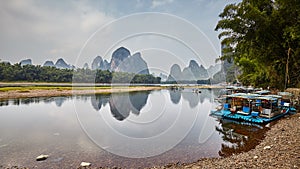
(128, 130)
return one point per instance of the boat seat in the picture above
(246, 109)
(254, 114)
(226, 106)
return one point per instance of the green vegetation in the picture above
(29, 88)
(262, 37)
(31, 73)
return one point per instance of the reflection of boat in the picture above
(253, 108)
(239, 137)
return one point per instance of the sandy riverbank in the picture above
(11, 94)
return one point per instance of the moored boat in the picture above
(254, 108)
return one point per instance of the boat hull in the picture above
(248, 118)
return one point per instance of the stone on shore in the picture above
(267, 147)
(42, 157)
(85, 164)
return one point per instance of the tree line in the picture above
(36, 73)
(262, 38)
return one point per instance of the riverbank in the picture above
(27, 89)
(28, 92)
(279, 149)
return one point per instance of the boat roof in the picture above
(262, 92)
(244, 95)
(274, 95)
(254, 96)
(285, 94)
(267, 97)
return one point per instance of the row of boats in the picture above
(258, 107)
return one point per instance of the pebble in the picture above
(267, 147)
(42, 157)
(85, 164)
(255, 157)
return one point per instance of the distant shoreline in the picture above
(27, 89)
(29, 93)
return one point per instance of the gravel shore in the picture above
(279, 149)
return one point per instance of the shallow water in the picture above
(140, 129)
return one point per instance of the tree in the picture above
(263, 39)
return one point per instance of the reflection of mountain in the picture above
(122, 104)
(99, 100)
(242, 137)
(175, 96)
(192, 98)
(138, 101)
(207, 94)
(59, 101)
(21, 101)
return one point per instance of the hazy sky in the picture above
(164, 31)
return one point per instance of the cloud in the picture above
(157, 3)
(54, 28)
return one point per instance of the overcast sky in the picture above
(164, 31)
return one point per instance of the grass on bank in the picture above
(24, 89)
(29, 88)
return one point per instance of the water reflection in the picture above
(194, 98)
(175, 96)
(99, 100)
(121, 104)
(50, 125)
(239, 137)
(59, 101)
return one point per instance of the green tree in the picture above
(263, 39)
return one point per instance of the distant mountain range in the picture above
(60, 63)
(123, 61)
(192, 72)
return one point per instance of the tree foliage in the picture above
(262, 37)
(32, 73)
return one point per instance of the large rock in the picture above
(105, 65)
(48, 63)
(122, 61)
(175, 73)
(99, 63)
(118, 57)
(61, 64)
(26, 62)
(86, 66)
(134, 64)
(213, 69)
(96, 64)
(193, 72)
